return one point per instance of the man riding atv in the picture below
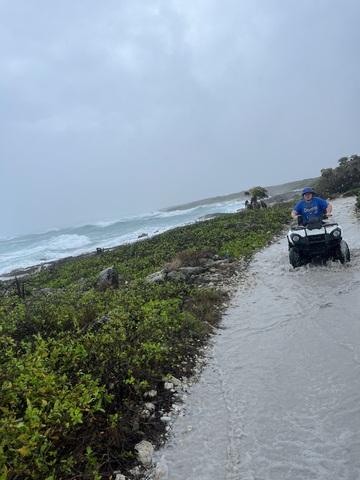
(313, 239)
(311, 206)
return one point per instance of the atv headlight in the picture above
(336, 233)
(295, 238)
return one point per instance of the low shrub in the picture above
(352, 193)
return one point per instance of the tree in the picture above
(256, 193)
(343, 161)
(342, 179)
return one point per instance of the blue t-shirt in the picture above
(315, 208)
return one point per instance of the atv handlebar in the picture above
(299, 218)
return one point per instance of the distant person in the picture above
(311, 206)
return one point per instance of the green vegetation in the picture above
(76, 362)
(257, 192)
(344, 179)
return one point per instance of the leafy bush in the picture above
(352, 193)
(47, 407)
(344, 178)
(357, 204)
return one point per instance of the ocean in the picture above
(24, 251)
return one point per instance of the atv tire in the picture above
(294, 257)
(343, 253)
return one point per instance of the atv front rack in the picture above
(321, 225)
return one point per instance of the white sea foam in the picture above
(67, 242)
(105, 224)
(28, 250)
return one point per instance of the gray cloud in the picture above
(115, 108)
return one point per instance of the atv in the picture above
(316, 242)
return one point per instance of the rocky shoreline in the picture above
(275, 198)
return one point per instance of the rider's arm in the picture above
(294, 214)
(329, 209)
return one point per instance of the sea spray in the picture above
(24, 251)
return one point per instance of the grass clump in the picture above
(76, 362)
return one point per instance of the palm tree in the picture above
(256, 193)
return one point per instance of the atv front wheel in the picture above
(343, 252)
(294, 257)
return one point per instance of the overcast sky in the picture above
(115, 107)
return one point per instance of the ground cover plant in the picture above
(76, 362)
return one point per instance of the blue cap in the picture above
(308, 190)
